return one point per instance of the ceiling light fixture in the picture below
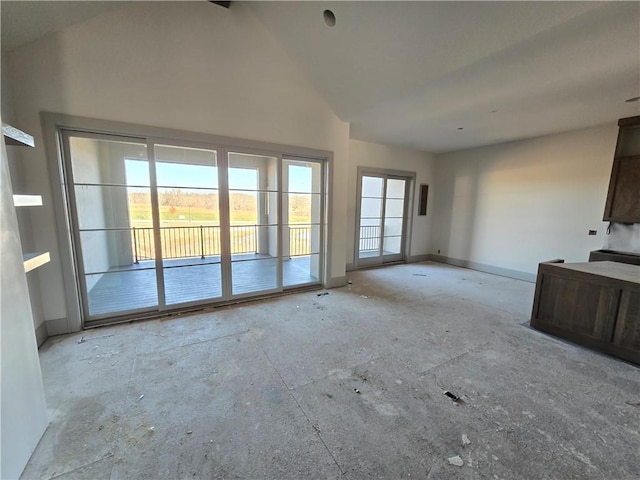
(632, 99)
(329, 18)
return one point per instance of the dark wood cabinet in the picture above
(595, 304)
(614, 256)
(623, 198)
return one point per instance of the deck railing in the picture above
(369, 238)
(204, 241)
(299, 241)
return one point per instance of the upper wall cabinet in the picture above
(623, 199)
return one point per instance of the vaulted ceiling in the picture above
(437, 76)
(442, 76)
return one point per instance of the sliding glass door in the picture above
(163, 225)
(110, 197)
(303, 210)
(189, 223)
(253, 223)
(382, 218)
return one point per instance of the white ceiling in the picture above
(413, 73)
(26, 21)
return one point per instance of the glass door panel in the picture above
(189, 232)
(394, 220)
(371, 201)
(110, 195)
(253, 223)
(301, 225)
(382, 219)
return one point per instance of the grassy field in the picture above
(140, 215)
(203, 211)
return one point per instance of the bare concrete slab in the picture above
(346, 385)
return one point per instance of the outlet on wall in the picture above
(593, 232)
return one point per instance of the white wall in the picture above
(366, 154)
(186, 65)
(23, 412)
(17, 173)
(513, 205)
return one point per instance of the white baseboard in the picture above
(42, 333)
(58, 326)
(335, 282)
(504, 272)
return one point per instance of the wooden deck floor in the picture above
(189, 280)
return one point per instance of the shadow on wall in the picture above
(457, 200)
(515, 205)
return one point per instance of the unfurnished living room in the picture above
(291, 240)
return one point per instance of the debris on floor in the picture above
(322, 294)
(465, 439)
(419, 275)
(356, 390)
(637, 404)
(189, 432)
(457, 461)
(140, 397)
(81, 340)
(453, 397)
(363, 296)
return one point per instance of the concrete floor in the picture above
(348, 385)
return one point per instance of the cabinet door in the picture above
(623, 202)
(623, 197)
(576, 308)
(627, 331)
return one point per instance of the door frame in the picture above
(53, 124)
(407, 224)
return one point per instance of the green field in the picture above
(180, 216)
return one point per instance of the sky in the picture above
(178, 175)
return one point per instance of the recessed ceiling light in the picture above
(633, 99)
(329, 18)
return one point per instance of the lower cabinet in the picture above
(594, 304)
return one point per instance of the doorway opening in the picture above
(161, 225)
(383, 205)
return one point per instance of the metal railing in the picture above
(369, 238)
(299, 241)
(204, 241)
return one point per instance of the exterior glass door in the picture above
(302, 210)
(110, 195)
(163, 225)
(189, 224)
(382, 219)
(252, 184)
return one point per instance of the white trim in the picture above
(481, 267)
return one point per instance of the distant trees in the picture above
(176, 197)
(243, 204)
(300, 206)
